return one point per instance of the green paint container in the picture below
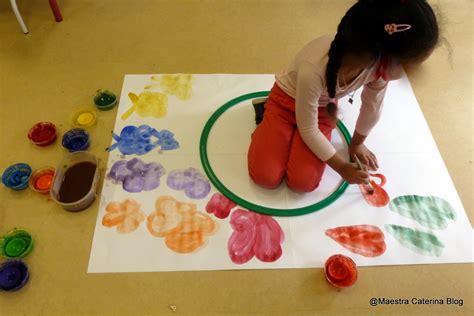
(105, 100)
(17, 243)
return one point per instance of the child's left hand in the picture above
(365, 156)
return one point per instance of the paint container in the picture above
(75, 181)
(16, 176)
(13, 275)
(84, 118)
(42, 134)
(41, 180)
(105, 100)
(17, 243)
(340, 271)
(76, 139)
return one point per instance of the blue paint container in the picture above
(76, 139)
(13, 275)
(16, 176)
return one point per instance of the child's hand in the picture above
(352, 174)
(365, 156)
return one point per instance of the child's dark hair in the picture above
(362, 32)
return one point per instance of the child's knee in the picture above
(268, 181)
(303, 184)
(265, 178)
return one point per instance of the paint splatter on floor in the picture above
(419, 241)
(136, 175)
(179, 85)
(254, 235)
(379, 197)
(138, 140)
(184, 228)
(126, 216)
(147, 104)
(365, 240)
(220, 206)
(194, 184)
(429, 211)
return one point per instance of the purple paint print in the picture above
(136, 175)
(194, 184)
(139, 141)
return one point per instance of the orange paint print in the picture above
(125, 215)
(379, 197)
(184, 228)
(365, 240)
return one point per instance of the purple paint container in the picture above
(13, 275)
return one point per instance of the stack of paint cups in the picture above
(14, 273)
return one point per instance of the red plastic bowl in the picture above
(341, 271)
(42, 134)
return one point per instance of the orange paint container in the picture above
(42, 179)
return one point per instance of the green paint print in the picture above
(429, 211)
(421, 242)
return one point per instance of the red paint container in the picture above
(42, 179)
(42, 134)
(341, 271)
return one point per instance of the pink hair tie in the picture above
(395, 28)
(332, 100)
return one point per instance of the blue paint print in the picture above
(194, 184)
(138, 140)
(136, 175)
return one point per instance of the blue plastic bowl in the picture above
(13, 275)
(76, 139)
(16, 176)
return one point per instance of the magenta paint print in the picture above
(254, 235)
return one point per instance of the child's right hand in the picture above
(353, 175)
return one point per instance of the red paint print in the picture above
(379, 197)
(254, 235)
(220, 206)
(365, 240)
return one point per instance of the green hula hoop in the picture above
(244, 203)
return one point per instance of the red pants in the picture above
(277, 150)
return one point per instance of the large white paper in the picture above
(402, 141)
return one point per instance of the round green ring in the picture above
(244, 203)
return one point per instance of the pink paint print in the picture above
(220, 206)
(379, 197)
(254, 235)
(365, 240)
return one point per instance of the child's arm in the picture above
(308, 90)
(372, 97)
(371, 108)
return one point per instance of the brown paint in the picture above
(77, 182)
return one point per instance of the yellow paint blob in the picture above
(179, 85)
(147, 104)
